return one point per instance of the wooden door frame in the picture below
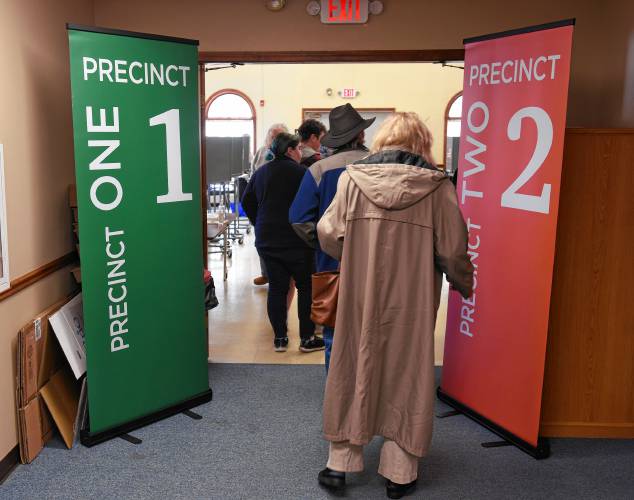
(298, 57)
(333, 56)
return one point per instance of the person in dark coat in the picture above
(319, 185)
(266, 201)
(262, 156)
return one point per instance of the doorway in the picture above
(239, 328)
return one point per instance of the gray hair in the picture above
(274, 129)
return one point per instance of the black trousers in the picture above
(282, 264)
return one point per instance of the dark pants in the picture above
(282, 264)
(263, 268)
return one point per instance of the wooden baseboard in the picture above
(8, 463)
(588, 430)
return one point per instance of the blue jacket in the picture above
(315, 193)
(266, 201)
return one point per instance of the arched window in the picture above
(453, 117)
(230, 113)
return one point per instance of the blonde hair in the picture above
(404, 131)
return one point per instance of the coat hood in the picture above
(395, 180)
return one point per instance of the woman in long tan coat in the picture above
(396, 227)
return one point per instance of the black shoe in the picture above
(312, 344)
(332, 479)
(281, 344)
(395, 490)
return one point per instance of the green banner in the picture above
(136, 125)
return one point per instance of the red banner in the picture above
(511, 146)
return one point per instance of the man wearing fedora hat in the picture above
(319, 185)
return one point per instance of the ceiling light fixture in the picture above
(275, 5)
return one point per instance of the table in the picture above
(216, 228)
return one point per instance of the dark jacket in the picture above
(267, 199)
(317, 190)
(309, 160)
(309, 156)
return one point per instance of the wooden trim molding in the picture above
(203, 161)
(8, 463)
(588, 429)
(325, 56)
(38, 274)
(599, 131)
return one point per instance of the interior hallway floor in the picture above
(260, 438)
(239, 329)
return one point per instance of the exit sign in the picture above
(344, 11)
(348, 93)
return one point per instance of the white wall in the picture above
(287, 88)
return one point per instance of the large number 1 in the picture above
(511, 198)
(171, 120)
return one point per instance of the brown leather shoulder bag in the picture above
(325, 296)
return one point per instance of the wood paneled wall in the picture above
(589, 379)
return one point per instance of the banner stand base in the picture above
(496, 444)
(539, 452)
(130, 439)
(88, 439)
(450, 413)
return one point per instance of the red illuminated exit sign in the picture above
(344, 11)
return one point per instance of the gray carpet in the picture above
(260, 439)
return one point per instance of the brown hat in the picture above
(345, 124)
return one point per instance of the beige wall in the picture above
(287, 88)
(600, 54)
(35, 97)
(36, 131)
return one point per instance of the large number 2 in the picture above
(171, 120)
(511, 198)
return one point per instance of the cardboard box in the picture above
(61, 395)
(31, 438)
(68, 325)
(39, 354)
(40, 358)
(77, 274)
